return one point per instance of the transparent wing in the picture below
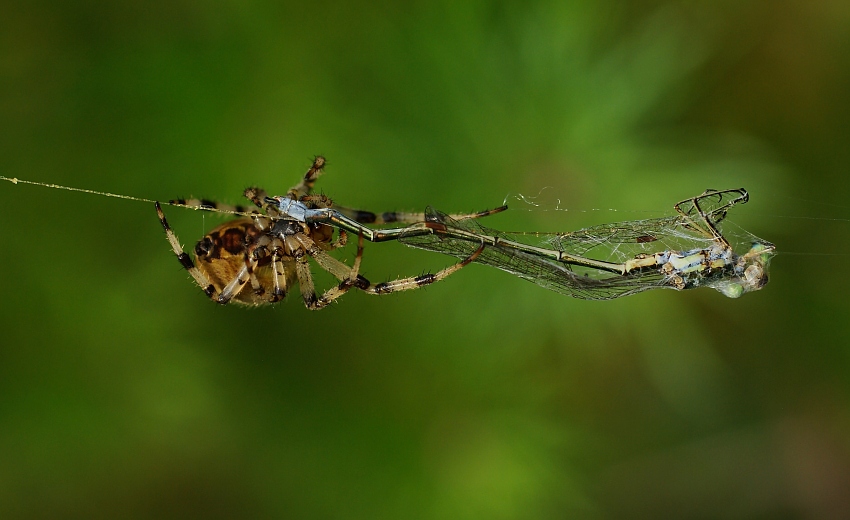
(634, 232)
(694, 227)
(705, 211)
(590, 285)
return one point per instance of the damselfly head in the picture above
(751, 271)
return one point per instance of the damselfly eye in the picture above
(754, 275)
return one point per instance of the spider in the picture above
(269, 250)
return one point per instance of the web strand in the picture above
(14, 180)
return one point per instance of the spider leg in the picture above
(413, 282)
(305, 187)
(238, 283)
(211, 205)
(354, 280)
(278, 290)
(333, 217)
(390, 217)
(341, 240)
(317, 201)
(355, 269)
(348, 276)
(305, 284)
(258, 196)
(255, 195)
(184, 259)
(330, 264)
(259, 252)
(308, 292)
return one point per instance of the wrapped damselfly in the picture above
(683, 251)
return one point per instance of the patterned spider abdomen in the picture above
(223, 253)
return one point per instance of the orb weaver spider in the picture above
(269, 249)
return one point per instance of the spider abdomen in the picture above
(221, 256)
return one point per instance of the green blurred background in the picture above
(125, 393)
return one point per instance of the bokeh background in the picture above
(125, 393)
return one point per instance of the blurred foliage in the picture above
(126, 393)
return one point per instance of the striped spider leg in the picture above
(269, 250)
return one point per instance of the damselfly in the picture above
(683, 251)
